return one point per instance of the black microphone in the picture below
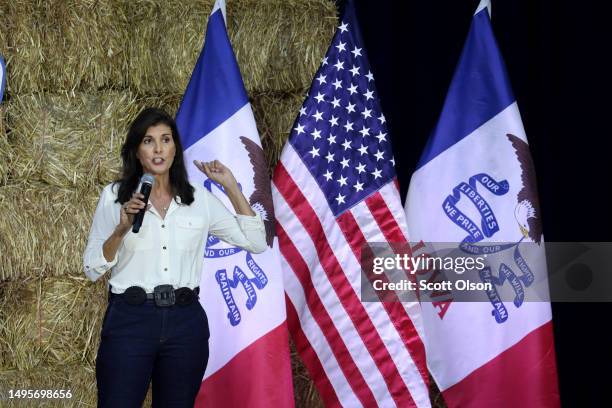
(146, 185)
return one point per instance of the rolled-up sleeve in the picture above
(244, 231)
(103, 225)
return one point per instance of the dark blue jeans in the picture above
(140, 343)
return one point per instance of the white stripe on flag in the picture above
(401, 357)
(395, 207)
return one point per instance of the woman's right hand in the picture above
(128, 211)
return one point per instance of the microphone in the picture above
(146, 185)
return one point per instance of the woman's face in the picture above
(156, 150)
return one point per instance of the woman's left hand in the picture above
(217, 172)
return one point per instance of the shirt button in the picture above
(165, 269)
(163, 225)
(164, 247)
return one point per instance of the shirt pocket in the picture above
(189, 232)
(140, 241)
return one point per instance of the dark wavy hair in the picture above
(132, 169)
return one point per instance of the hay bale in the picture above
(79, 379)
(151, 46)
(44, 229)
(168, 102)
(279, 44)
(75, 141)
(6, 152)
(64, 45)
(49, 337)
(69, 140)
(165, 38)
(50, 321)
(275, 114)
(22, 46)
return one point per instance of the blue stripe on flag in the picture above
(215, 91)
(480, 89)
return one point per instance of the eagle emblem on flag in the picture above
(527, 210)
(261, 199)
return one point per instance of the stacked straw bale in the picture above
(275, 114)
(66, 165)
(6, 151)
(279, 55)
(74, 140)
(50, 320)
(150, 46)
(283, 53)
(79, 379)
(69, 140)
(43, 230)
(165, 40)
(79, 71)
(49, 334)
(58, 45)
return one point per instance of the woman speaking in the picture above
(154, 328)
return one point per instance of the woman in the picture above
(154, 327)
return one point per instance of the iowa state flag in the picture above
(475, 185)
(242, 293)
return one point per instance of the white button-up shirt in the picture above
(168, 250)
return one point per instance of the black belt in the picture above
(163, 295)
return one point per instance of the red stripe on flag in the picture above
(318, 311)
(393, 233)
(235, 383)
(525, 375)
(310, 358)
(384, 218)
(348, 298)
(397, 314)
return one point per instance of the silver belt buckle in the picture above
(164, 295)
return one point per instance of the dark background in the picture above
(557, 56)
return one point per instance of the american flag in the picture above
(335, 189)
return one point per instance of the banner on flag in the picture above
(475, 186)
(242, 293)
(334, 190)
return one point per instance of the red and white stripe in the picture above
(358, 353)
(518, 376)
(252, 377)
